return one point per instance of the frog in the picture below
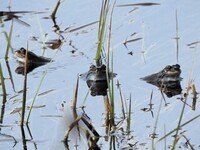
(168, 80)
(33, 59)
(96, 79)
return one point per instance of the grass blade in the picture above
(53, 14)
(121, 99)
(155, 127)
(37, 90)
(177, 38)
(182, 125)
(101, 30)
(75, 95)
(129, 117)
(2, 81)
(24, 89)
(9, 41)
(4, 94)
(178, 127)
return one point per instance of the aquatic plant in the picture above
(38, 88)
(101, 31)
(3, 94)
(91, 134)
(2, 82)
(9, 41)
(177, 37)
(53, 14)
(24, 88)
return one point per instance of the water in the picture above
(155, 24)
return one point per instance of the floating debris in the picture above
(19, 109)
(191, 87)
(130, 53)
(131, 38)
(168, 80)
(193, 44)
(194, 96)
(11, 15)
(138, 4)
(81, 27)
(54, 44)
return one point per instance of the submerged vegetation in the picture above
(118, 120)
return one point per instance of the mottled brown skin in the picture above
(168, 80)
(169, 73)
(32, 58)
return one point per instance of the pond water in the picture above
(52, 113)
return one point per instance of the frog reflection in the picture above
(96, 79)
(21, 70)
(168, 80)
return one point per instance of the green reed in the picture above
(177, 37)
(3, 94)
(9, 41)
(128, 129)
(178, 126)
(24, 89)
(74, 102)
(101, 30)
(53, 14)
(43, 37)
(121, 100)
(165, 140)
(2, 81)
(182, 125)
(100, 47)
(38, 88)
(155, 126)
(110, 83)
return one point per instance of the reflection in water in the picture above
(33, 61)
(96, 79)
(10, 75)
(54, 44)
(11, 15)
(21, 68)
(56, 28)
(168, 80)
(23, 138)
(3, 108)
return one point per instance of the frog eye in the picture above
(92, 67)
(22, 50)
(103, 67)
(168, 67)
(177, 66)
